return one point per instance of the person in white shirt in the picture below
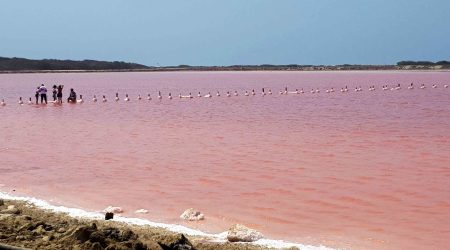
(43, 92)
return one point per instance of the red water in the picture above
(361, 170)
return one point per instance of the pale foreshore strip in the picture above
(34, 224)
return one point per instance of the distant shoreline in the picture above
(16, 65)
(227, 70)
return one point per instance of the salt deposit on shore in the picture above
(32, 223)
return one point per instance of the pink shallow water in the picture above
(366, 170)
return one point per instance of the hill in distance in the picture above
(19, 65)
(23, 64)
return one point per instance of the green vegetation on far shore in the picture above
(22, 65)
(410, 63)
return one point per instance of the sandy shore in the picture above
(23, 225)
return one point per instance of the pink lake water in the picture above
(356, 170)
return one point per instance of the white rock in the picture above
(192, 215)
(11, 207)
(141, 211)
(242, 233)
(115, 210)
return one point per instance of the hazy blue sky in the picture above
(209, 32)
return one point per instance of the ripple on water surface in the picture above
(362, 170)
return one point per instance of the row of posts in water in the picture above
(246, 93)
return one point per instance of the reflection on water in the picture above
(365, 169)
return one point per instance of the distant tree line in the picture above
(302, 67)
(13, 64)
(405, 63)
(23, 64)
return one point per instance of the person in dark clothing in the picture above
(37, 95)
(72, 97)
(54, 92)
(59, 93)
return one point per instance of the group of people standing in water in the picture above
(57, 94)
